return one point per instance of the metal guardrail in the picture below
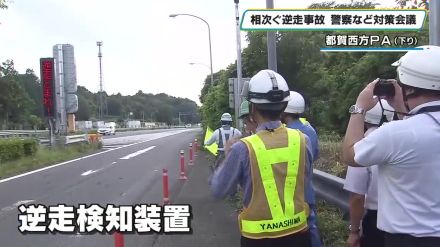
(26, 131)
(76, 139)
(151, 128)
(330, 188)
(67, 140)
(22, 133)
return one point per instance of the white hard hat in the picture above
(420, 68)
(226, 117)
(296, 103)
(267, 86)
(374, 116)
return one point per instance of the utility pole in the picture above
(237, 95)
(434, 22)
(271, 44)
(101, 90)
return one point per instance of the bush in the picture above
(330, 156)
(93, 131)
(30, 147)
(332, 227)
(12, 149)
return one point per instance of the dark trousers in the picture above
(406, 240)
(300, 239)
(371, 235)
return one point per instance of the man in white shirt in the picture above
(362, 184)
(406, 152)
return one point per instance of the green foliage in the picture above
(216, 100)
(21, 103)
(331, 225)
(3, 4)
(43, 157)
(15, 103)
(12, 149)
(329, 82)
(93, 132)
(148, 107)
(30, 147)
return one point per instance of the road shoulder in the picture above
(214, 222)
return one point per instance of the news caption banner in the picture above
(93, 218)
(339, 21)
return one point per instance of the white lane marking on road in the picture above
(89, 172)
(127, 157)
(7, 209)
(114, 162)
(23, 202)
(85, 157)
(113, 146)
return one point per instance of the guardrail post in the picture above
(166, 198)
(119, 239)
(182, 166)
(191, 158)
(196, 147)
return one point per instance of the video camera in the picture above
(384, 87)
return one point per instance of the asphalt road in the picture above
(103, 178)
(137, 132)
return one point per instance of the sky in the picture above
(143, 48)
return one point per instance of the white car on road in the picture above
(109, 129)
(106, 131)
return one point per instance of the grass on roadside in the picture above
(332, 227)
(45, 157)
(330, 156)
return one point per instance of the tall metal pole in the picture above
(271, 44)
(209, 37)
(101, 99)
(210, 54)
(237, 95)
(434, 22)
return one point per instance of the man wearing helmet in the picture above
(249, 124)
(292, 118)
(361, 182)
(406, 151)
(222, 135)
(270, 167)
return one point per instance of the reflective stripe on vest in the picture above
(281, 220)
(224, 136)
(304, 121)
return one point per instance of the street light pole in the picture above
(209, 37)
(237, 96)
(199, 64)
(434, 22)
(271, 44)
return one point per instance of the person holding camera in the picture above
(406, 151)
(361, 182)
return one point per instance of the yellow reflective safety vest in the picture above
(277, 207)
